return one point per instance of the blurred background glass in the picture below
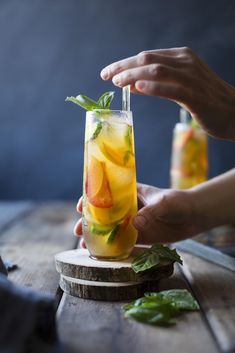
(189, 157)
(52, 49)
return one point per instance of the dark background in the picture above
(53, 48)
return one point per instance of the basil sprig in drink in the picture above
(109, 181)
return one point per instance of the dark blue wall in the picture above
(53, 48)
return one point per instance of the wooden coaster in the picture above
(107, 291)
(87, 278)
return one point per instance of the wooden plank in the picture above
(91, 326)
(32, 243)
(10, 211)
(214, 287)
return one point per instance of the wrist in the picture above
(200, 211)
(213, 201)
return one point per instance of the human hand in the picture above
(78, 226)
(165, 215)
(168, 215)
(180, 75)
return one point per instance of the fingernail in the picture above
(104, 74)
(116, 80)
(140, 221)
(140, 85)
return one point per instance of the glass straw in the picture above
(126, 98)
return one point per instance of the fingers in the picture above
(154, 72)
(171, 91)
(164, 72)
(78, 232)
(167, 218)
(79, 205)
(134, 90)
(161, 234)
(78, 228)
(140, 201)
(82, 244)
(168, 52)
(160, 56)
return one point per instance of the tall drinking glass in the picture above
(109, 184)
(189, 162)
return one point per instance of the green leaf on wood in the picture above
(159, 308)
(181, 298)
(154, 256)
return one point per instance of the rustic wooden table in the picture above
(30, 235)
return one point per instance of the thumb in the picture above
(147, 216)
(167, 207)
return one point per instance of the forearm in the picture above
(214, 201)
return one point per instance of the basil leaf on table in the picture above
(181, 298)
(166, 253)
(145, 261)
(162, 316)
(153, 257)
(159, 308)
(152, 301)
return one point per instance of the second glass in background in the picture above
(189, 160)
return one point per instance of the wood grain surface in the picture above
(214, 287)
(84, 277)
(11, 211)
(87, 326)
(33, 241)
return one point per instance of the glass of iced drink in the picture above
(189, 162)
(109, 184)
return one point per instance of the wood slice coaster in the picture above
(108, 291)
(87, 278)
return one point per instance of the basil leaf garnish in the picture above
(99, 230)
(89, 104)
(84, 102)
(128, 137)
(113, 233)
(97, 130)
(105, 100)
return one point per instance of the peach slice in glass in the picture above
(123, 158)
(97, 185)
